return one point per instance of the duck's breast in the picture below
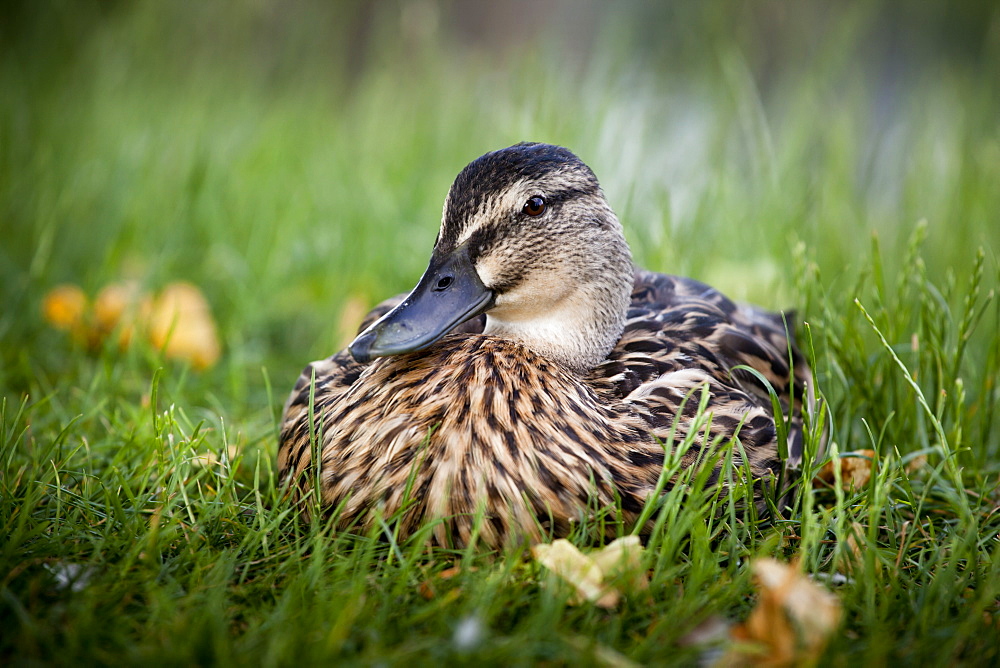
(476, 424)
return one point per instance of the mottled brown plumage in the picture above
(535, 410)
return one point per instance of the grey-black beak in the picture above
(449, 293)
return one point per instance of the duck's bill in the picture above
(449, 293)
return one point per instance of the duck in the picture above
(534, 376)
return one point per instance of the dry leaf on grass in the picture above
(855, 470)
(65, 307)
(123, 306)
(179, 321)
(427, 588)
(621, 563)
(565, 560)
(599, 577)
(792, 622)
(209, 459)
(181, 324)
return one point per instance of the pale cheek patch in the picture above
(489, 269)
(537, 298)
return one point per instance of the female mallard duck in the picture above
(533, 375)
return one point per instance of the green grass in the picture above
(285, 164)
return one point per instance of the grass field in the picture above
(292, 166)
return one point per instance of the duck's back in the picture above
(677, 323)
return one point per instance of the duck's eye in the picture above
(534, 206)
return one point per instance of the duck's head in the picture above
(527, 238)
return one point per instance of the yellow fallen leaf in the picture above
(210, 459)
(181, 325)
(597, 576)
(855, 469)
(205, 461)
(793, 620)
(123, 306)
(565, 560)
(65, 307)
(111, 302)
(621, 563)
(179, 321)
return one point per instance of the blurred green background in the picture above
(286, 156)
(290, 158)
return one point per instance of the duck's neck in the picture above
(578, 331)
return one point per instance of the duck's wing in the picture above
(678, 326)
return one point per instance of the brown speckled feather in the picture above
(479, 424)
